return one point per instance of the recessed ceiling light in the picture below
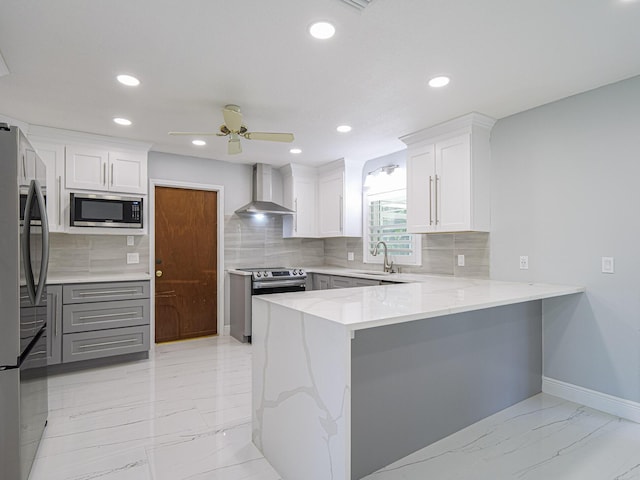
(322, 30)
(199, 143)
(295, 151)
(122, 121)
(344, 128)
(437, 82)
(128, 80)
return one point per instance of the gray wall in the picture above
(235, 177)
(566, 193)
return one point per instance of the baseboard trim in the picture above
(226, 330)
(600, 401)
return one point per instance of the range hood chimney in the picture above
(261, 202)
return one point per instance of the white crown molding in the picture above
(466, 122)
(60, 135)
(600, 401)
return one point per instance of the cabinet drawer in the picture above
(104, 343)
(103, 292)
(341, 282)
(82, 317)
(365, 282)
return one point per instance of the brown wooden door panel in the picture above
(186, 253)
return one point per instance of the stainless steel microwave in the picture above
(109, 211)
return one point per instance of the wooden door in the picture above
(186, 231)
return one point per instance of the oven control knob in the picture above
(294, 271)
(258, 274)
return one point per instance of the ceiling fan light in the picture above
(199, 143)
(295, 151)
(344, 128)
(322, 30)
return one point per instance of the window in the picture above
(386, 220)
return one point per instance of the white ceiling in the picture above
(195, 56)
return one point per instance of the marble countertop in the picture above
(62, 278)
(428, 296)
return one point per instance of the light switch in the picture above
(133, 257)
(461, 260)
(350, 256)
(130, 241)
(607, 265)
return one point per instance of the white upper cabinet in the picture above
(448, 184)
(86, 168)
(340, 199)
(331, 204)
(57, 202)
(300, 195)
(327, 200)
(89, 168)
(128, 172)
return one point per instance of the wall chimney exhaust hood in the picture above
(262, 203)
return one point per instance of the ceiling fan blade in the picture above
(233, 147)
(271, 137)
(232, 117)
(193, 133)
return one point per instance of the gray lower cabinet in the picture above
(104, 343)
(321, 281)
(99, 320)
(54, 324)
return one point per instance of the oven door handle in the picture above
(277, 283)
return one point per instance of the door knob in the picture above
(158, 273)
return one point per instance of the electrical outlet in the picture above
(130, 241)
(524, 262)
(133, 258)
(350, 256)
(607, 265)
(461, 260)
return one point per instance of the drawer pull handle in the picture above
(107, 292)
(105, 344)
(107, 315)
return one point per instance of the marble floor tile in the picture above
(541, 438)
(185, 414)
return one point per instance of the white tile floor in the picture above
(185, 414)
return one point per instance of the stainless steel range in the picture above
(246, 282)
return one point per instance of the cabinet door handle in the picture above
(59, 199)
(108, 344)
(436, 203)
(106, 292)
(295, 223)
(56, 320)
(430, 198)
(112, 174)
(104, 174)
(24, 167)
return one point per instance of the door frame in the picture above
(159, 182)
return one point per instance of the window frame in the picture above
(415, 259)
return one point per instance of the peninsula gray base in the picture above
(417, 382)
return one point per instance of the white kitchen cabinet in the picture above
(340, 199)
(300, 194)
(89, 168)
(57, 198)
(448, 184)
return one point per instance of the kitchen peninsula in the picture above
(348, 381)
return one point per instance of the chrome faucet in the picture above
(388, 267)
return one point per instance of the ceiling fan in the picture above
(234, 129)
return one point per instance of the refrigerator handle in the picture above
(44, 255)
(25, 239)
(35, 194)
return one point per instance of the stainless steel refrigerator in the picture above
(24, 258)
